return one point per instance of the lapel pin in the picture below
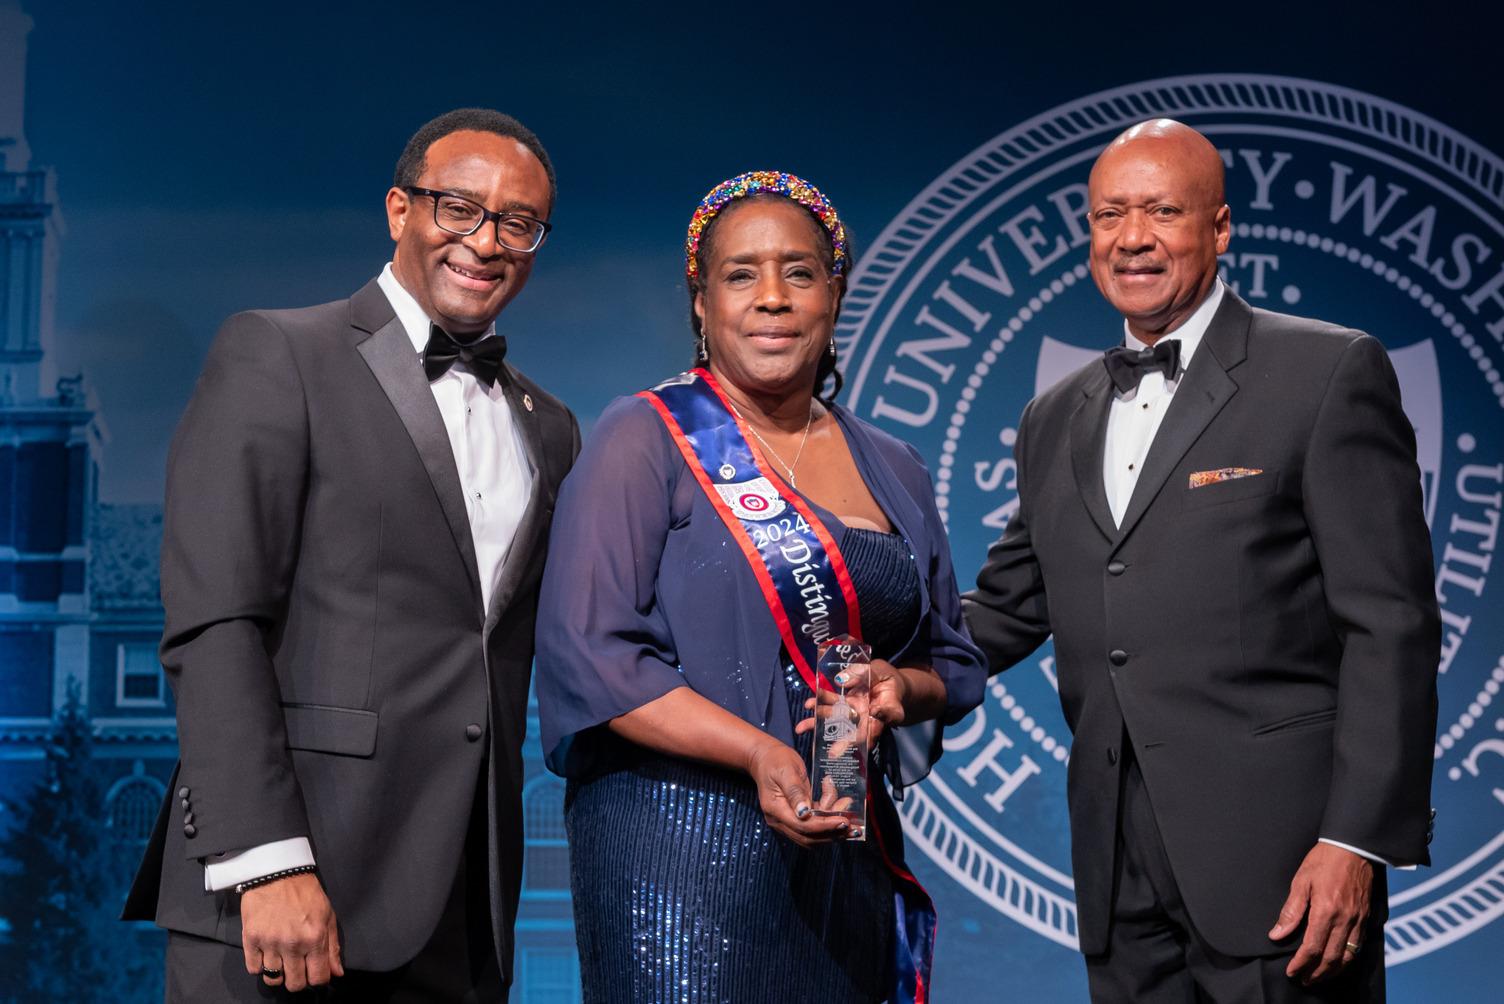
(727, 472)
(527, 401)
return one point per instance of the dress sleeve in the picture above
(942, 643)
(603, 644)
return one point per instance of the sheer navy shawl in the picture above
(646, 591)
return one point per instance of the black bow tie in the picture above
(1127, 366)
(482, 357)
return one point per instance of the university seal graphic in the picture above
(1345, 207)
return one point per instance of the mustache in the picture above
(1137, 265)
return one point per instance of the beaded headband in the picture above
(782, 183)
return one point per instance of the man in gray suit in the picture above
(358, 500)
(1221, 524)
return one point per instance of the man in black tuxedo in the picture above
(1221, 524)
(358, 500)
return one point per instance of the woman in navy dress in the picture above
(669, 697)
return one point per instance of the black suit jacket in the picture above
(1267, 644)
(334, 671)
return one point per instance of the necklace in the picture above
(788, 468)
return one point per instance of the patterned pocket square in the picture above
(1200, 479)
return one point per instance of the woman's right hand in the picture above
(782, 780)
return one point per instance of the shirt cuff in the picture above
(225, 871)
(1360, 852)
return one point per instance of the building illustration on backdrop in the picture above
(78, 579)
(79, 591)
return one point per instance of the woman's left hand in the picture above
(888, 689)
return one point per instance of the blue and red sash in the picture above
(808, 590)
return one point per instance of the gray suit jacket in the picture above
(1268, 644)
(334, 672)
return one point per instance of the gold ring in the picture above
(1355, 949)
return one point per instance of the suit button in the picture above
(183, 792)
(1117, 657)
(1112, 756)
(473, 732)
(1116, 568)
(190, 831)
(186, 803)
(187, 817)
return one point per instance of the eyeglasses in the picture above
(459, 215)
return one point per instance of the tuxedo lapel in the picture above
(1088, 442)
(389, 353)
(1204, 390)
(521, 553)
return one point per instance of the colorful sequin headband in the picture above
(782, 183)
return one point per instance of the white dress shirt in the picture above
(487, 444)
(1135, 417)
(497, 480)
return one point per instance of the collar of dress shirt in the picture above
(414, 321)
(1189, 333)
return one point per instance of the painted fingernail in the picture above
(842, 679)
(802, 811)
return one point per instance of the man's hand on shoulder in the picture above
(1330, 894)
(288, 927)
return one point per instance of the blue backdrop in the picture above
(167, 166)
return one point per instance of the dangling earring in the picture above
(832, 346)
(700, 353)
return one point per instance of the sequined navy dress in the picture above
(681, 892)
(693, 898)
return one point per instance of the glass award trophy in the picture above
(838, 769)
